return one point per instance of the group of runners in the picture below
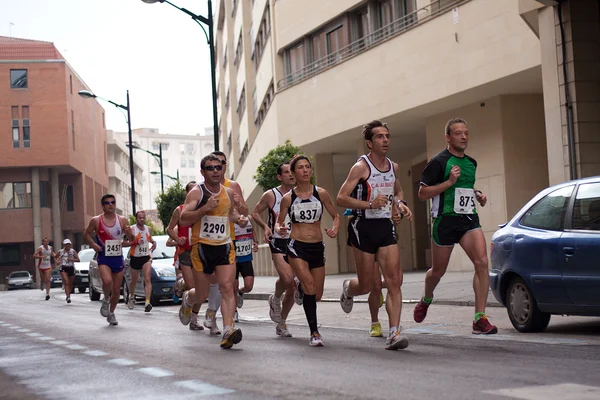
(214, 236)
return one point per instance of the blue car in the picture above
(546, 259)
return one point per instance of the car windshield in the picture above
(19, 275)
(86, 255)
(162, 251)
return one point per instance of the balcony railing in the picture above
(399, 26)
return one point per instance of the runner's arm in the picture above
(37, 253)
(262, 205)
(344, 198)
(234, 214)
(284, 206)
(242, 207)
(76, 256)
(88, 235)
(326, 199)
(126, 229)
(173, 223)
(189, 214)
(432, 183)
(151, 240)
(399, 202)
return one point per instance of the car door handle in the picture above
(569, 251)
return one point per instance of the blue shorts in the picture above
(114, 263)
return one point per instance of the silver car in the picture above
(95, 282)
(20, 280)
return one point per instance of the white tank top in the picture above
(137, 249)
(274, 214)
(378, 182)
(66, 257)
(45, 262)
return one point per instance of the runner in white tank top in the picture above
(44, 254)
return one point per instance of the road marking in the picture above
(34, 334)
(203, 388)
(15, 327)
(122, 361)
(156, 372)
(562, 391)
(23, 330)
(75, 347)
(59, 342)
(95, 353)
(46, 338)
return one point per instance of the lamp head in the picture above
(86, 94)
(153, 1)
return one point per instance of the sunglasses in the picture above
(213, 167)
(108, 203)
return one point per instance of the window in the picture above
(264, 31)
(295, 58)
(10, 254)
(156, 146)
(385, 13)
(225, 57)
(264, 107)
(227, 98)
(18, 79)
(191, 163)
(70, 200)
(241, 106)
(360, 24)
(335, 39)
(549, 213)
(586, 211)
(237, 57)
(44, 194)
(16, 138)
(15, 195)
(187, 148)
(233, 7)
(73, 127)
(71, 83)
(26, 131)
(183, 163)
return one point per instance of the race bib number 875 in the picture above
(464, 201)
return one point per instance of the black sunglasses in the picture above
(213, 167)
(107, 203)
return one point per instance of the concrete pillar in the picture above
(323, 165)
(56, 220)
(37, 214)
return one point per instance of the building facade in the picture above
(119, 177)
(181, 155)
(53, 168)
(523, 73)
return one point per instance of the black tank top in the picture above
(306, 211)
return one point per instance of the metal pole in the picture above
(131, 168)
(162, 182)
(213, 75)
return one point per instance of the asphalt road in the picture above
(54, 350)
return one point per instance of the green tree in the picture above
(266, 173)
(154, 231)
(166, 202)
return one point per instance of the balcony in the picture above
(399, 26)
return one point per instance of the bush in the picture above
(166, 202)
(266, 173)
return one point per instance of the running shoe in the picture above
(420, 311)
(316, 340)
(178, 287)
(375, 330)
(148, 307)
(274, 309)
(68, 300)
(210, 322)
(298, 293)
(396, 342)
(230, 337)
(281, 330)
(236, 317)
(240, 300)
(111, 319)
(185, 311)
(346, 301)
(131, 303)
(47, 297)
(104, 307)
(483, 327)
(195, 326)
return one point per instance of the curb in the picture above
(469, 303)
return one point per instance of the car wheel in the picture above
(81, 289)
(522, 308)
(94, 296)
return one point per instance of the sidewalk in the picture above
(455, 288)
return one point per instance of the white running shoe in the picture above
(316, 340)
(240, 300)
(281, 330)
(274, 309)
(131, 303)
(111, 319)
(298, 293)
(104, 307)
(185, 311)
(345, 301)
(210, 322)
(396, 342)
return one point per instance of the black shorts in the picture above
(206, 257)
(312, 253)
(447, 230)
(369, 235)
(70, 271)
(138, 263)
(279, 246)
(244, 268)
(184, 259)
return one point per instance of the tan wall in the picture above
(324, 177)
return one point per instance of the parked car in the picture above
(162, 275)
(55, 279)
(545, 259)
(82, 269)
(19, 280)
(95, 283)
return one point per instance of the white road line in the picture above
(46, 338)
(23, 330)
(1, 322)
(34, 334)
(15, 327)
(156, 372)
(60, 342)
(95, 353)
(561, 391)
(122, 361)
(203, 388)
(75, 347)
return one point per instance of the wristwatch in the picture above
(403, 202)
(370, 205)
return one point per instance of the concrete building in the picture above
(315, 71)
(181, 157)
(119, 178)
(53, 167)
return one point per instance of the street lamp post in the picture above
(86, 94)
(208, 21)
(158, 157)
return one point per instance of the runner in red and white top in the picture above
(44, 255)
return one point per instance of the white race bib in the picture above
(385, 211)
(288, 222)
(243, 247)
(464, 201)
(141, 250)
(214, 228)
(306, 212)
(112, 248)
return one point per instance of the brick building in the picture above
(53, 168)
